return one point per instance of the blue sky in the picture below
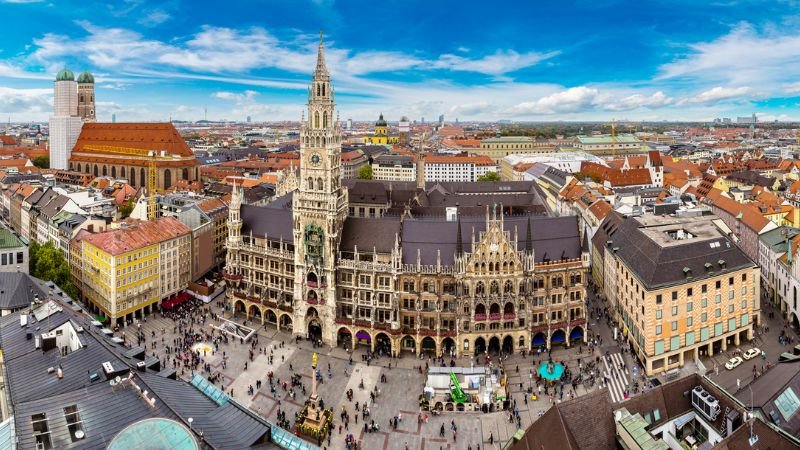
(523, 60)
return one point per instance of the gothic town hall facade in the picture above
(436, 268)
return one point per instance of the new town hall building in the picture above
(451, 268)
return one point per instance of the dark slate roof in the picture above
(72, 222)
(273, 220)
(769, 386)
(584, 423)
(368, 192)
(370, 233)
(554, 238)
(106, 410)
(229, 426)
(18, 289)
(656, 266)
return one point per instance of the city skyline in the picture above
(156, 61)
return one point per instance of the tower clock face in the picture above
(315, 159)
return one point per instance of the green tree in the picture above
(48, 263)
(489, 176)
(365, 172)
(42, 162)
(127, 208)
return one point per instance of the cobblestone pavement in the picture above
(398, 395)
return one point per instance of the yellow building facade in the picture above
(126, 272)
(381, 134)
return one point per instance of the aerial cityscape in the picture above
(348, 225)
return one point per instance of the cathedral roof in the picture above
(380, 122)
(145, 136)
(65, 75)
(86, 77)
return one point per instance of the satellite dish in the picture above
(117, 379)
(79, 434)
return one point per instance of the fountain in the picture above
(551, 371)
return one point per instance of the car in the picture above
(752, 353)
(733, 363)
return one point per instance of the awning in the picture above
(681, 421)
(539, 339)
(363, 335)
(577, 333)
(557, 337)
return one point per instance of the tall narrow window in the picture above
(74, 423)
(41, 431)
(316, 120)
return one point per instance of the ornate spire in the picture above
(459, 244)
(322, 69)
(529, 238)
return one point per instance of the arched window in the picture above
(323, 89)
(495, 288)
(142, 178)
(132, 181)
(95, 170)
(479, 289)
(185, 174)
(122, 172)
(316, 120)
(167, 178)
(310, 183)
(323, 140)
(105, 171)
(325, 120)
(319, 90)
(319, 184)
(88, 170)
(113, 172)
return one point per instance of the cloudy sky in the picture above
(518, 60)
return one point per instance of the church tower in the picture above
(86, 97)
(319, 209)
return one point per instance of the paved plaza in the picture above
(398, 396)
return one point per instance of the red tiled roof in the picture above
(8, 140)
(146, 136)
(138, 234)
(617, 177)
(478, 160)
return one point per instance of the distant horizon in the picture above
(647, 61)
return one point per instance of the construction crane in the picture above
(153, 157)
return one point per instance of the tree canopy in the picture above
(365, 172)
(42, 162)
(48, 263)
(489, 176)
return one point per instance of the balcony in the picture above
(509, 316)
(497, 316)
(231, 276)
(315, 284)
(480, 317)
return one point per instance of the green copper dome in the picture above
(65, 75)
(380, 122)
(85, 77)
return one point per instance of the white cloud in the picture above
(31, 104)
(635, 101)
(742, 57)
(154, 18)
(792, 88)
(246, 104)
(720, 93)
(575, 99)
(226, 50)
(501, 62)
(8, 70)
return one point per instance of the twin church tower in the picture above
(73, 104)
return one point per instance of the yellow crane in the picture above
(153, 157)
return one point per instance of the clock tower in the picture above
(319, 209)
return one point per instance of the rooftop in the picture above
(138, 234)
